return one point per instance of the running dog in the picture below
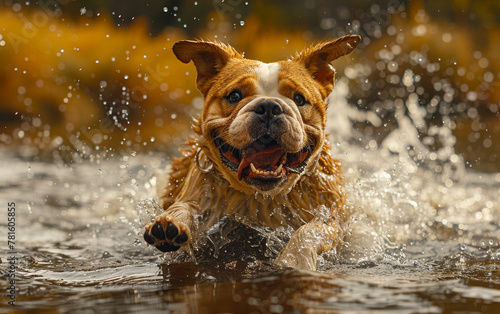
(261, 150)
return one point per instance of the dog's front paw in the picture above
(298, 258)
(167, 234)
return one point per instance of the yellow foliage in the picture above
(90, 83)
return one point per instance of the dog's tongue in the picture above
(269, 155)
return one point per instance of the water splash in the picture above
(406, 199)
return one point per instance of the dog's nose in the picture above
(268, 109)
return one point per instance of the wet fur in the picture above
(312, 203)
(188, 185)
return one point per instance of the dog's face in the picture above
(264, 123)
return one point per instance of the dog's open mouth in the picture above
(262, 160)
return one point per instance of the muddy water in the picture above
(423, 237)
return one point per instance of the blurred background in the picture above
(95, 79)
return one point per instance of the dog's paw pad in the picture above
(171, 231)
(148, 238)
(166, 235)
(157, 231)
(183, 237)
(167, 247)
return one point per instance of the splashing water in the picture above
(410, 203)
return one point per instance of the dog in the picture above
(261, 150)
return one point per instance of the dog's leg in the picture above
(311, 239)
(172, 228)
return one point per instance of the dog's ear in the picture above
(208, 57)
(317, 58)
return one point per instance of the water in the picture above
(423, 236)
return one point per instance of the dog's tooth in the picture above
(278, 170)
(266, 173)
(253, 167)
(283, 159)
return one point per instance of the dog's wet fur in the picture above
(261, 150)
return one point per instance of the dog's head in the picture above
(263, 123)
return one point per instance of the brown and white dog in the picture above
(261, 150)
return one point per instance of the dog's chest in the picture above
(263, 210)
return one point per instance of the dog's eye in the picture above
(234, 97)
(299, 99)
